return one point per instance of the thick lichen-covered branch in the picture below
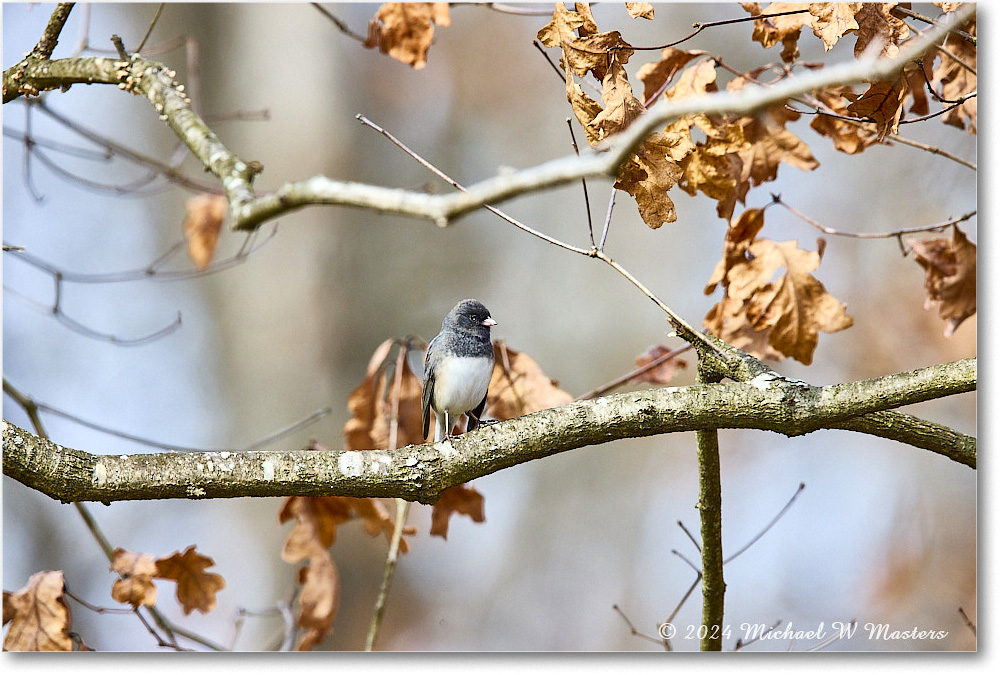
(421, 472)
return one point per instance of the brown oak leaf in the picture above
(196, 588)
(949, 277)
(317, 520)
(405, 30)
(832, 20)
(38, 615)
(655, 76)
(878, 28)
(882, 104)
(461, 499)
(770, 30)
(847, 138)
(562, 27)
(789, 310)
(135, 583)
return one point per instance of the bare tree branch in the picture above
(155, 82)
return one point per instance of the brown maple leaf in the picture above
(461, 499)
(202, 223)
(949, 276)
(135, 583)
(405, 30)
(38, 615)
(196, 588)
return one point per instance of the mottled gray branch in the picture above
(421, 472)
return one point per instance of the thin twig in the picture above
(586, 195)
(700, 26)
(632, 629)
(894, 234)
(777, 517)
(402, 507)
(152, 25)
(338, 23)
(629, 376)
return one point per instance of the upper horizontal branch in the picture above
(250, 211)
(421, 472)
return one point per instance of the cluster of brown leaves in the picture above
(877, 26)
(405, 30)
(949, 276)
(196, 588)
(40, 618)
(771, 317)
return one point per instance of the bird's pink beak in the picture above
(488, 321)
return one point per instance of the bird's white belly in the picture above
(460, 384)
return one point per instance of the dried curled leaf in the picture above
(196, 588)
(847, 138)
(203, 219)
(640, 10)
(135, 583)
(405, 30)
(949, 277)
(385, 407)
(319, 599)
(882, 104)
(519, 386)
(38, 616)
(654, 76)
(461, 499)
(957, 79)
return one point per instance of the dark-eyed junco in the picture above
(457, 368)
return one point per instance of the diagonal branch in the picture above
(249, 211)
